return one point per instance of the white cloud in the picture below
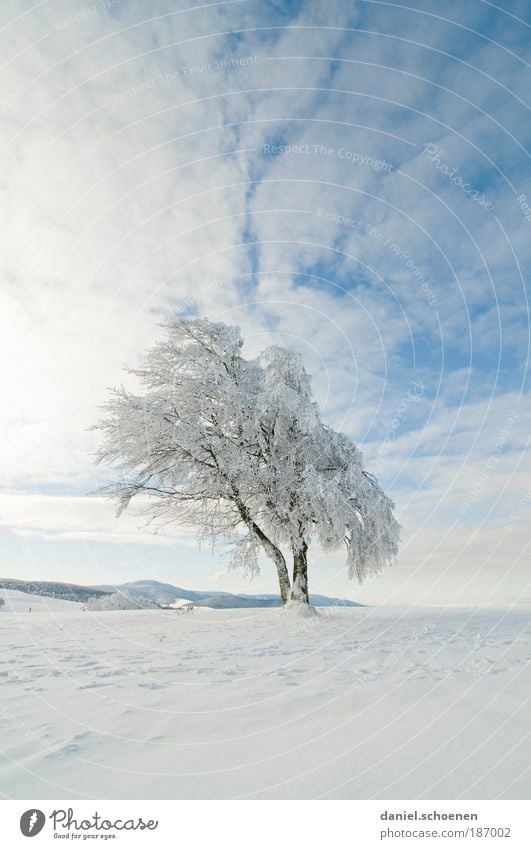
(59, 518)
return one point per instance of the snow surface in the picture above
(349, 703)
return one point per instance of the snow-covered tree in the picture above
(119, 601)
(237, 449)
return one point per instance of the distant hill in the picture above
(52, 589)
(160, 593)
(21, 602)
(168, 593)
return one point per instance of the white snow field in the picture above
(265, 704)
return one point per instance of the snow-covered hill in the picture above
(51, 589)
(168, 594)
(19, 602)
(163, 594)
(351, 703)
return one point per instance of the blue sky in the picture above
(387, 238)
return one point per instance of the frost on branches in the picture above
(236, 448)
(119, 601)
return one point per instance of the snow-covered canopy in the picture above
(227, 444)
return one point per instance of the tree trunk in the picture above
(269, 547)
(299, 590)
(282, 570)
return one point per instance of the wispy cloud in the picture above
(61, 518)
